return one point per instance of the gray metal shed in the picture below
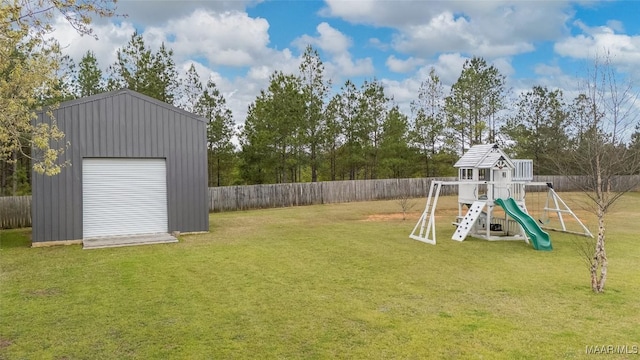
(138, 166)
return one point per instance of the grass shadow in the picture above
(16, 238)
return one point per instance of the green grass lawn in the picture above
(328, 281)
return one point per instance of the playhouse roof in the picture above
(483, 157)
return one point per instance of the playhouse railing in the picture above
(517, 191)
(523, 170)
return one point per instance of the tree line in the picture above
(300, 128)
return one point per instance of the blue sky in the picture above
(240, 43)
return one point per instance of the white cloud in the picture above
(336, 44)
(111, 37)
(504, 66)
(230, 38)
(623, 49)
(484, 28)
(152, 13)
(446, 66)
(448, 33)
(403, 66)
(547, 70)
(346, 66)
(616, 25)
(329, 39)
(382, 13)
(378, 44)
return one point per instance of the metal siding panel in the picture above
(148, 134)
(114, 129)
(164, 125)
(187, 174)
(37, 199)
(171, 168)
(122, 128)
(36, 195)
(181, 176)
(55, 209)
(150, 131)
(67, 179)
(172, 186)
(135, 122)
(94, 121)
(108, 134)
(132, 110)
(193, 175)
(157, 132)
(74, 177)
(204, 173)
(124, 196)
(138, 123)
(182, 185)
(81, 122)
(48, 208)
(167, 152)
(198, 186)
(177, 193)
(200, 194)
(104, 119)
(142, 128)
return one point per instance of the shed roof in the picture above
(128, 92)
(483, 157)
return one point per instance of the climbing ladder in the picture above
(467, 222)
(427, 222)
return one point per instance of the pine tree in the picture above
(191, 89)
(475, 98)
(220, 131)
(89, 79)
(270, 139)
(395, 155)
(372, 113)
(164, 76)
(351, 157)
(428, 133)
(539, 128)
(133, 68)
(140, 69)
(314, 89)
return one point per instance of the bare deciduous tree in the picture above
(406, 204)
(606, 116)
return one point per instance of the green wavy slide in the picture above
(539, 238)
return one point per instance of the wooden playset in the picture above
(488, 178)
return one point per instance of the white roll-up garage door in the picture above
(124, 197)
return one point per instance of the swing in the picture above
(544, 219)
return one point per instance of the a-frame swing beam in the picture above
(560, 211)
(428, 217)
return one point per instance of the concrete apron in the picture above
(127, 240)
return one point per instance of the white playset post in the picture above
(488, 178)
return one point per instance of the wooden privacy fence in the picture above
(229, 198)
(295, 194)
(15, 212)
